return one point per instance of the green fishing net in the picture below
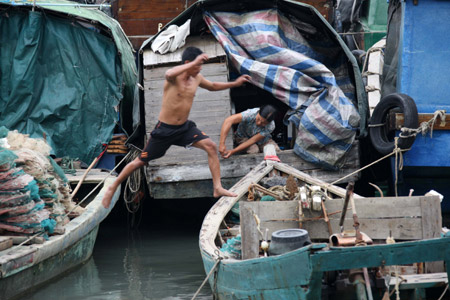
(3, 132)
(58, 170)
(7, 158)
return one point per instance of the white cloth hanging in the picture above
(172, 38)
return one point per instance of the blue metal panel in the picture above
(423, 73)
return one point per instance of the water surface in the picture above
(158, 260)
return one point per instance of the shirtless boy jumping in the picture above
(173, 127)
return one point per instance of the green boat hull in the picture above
(298, 274)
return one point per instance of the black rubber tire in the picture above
(381, 138)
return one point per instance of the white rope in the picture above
(369, 165)
(209, 274)
(424, 127)
(443, 293)
(398, 163)
(133, 185)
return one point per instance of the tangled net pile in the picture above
(33, 196)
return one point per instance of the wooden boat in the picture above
(413, 222)
(27, 266)
(171, 176)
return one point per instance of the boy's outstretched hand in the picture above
(243, 79)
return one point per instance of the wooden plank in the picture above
(5, 242)
(94, 176)
(431, 216)
(187, 190)
(249, 232)
(158, 6)
(420, 281)
(438, 125)
(244, 163)
(431, 227)
(401, 216)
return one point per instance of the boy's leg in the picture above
(127, 170)
(271, 142)
(214, 166)
(155, 148)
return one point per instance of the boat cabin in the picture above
(185, 173)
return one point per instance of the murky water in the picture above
(159, 260)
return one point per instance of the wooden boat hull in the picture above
(26, 267)
(298, 274)
(38, 274)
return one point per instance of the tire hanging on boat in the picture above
(381, 137)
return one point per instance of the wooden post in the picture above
(249, 233)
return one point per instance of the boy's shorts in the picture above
(165, 135)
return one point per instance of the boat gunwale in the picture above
(218, 211)
(75, 230)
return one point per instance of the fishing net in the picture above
(3, 132)
(7, 158)
(232, 247)
(34, 197)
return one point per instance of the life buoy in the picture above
(383, 139)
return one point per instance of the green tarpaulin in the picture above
(66, 72)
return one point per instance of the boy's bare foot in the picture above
(106, 201)
(218, 192)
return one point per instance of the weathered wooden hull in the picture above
(13, 286)
(25, 267)
(298, 274)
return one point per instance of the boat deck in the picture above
(94, 176)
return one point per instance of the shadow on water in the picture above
(158, 259)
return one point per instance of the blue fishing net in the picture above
(232, 247)
(48, 225)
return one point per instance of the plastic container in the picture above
(286, 240)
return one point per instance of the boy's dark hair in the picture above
(190, 54)
(268, 112)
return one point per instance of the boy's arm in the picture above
(226, 126)
(254, 139)
(172, 73)
(218, 86)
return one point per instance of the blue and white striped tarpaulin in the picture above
(279, 59)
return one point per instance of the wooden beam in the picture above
(438, 125)
(249, 233)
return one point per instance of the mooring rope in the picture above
(396, 150)
(219, 259)
(424, 127)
